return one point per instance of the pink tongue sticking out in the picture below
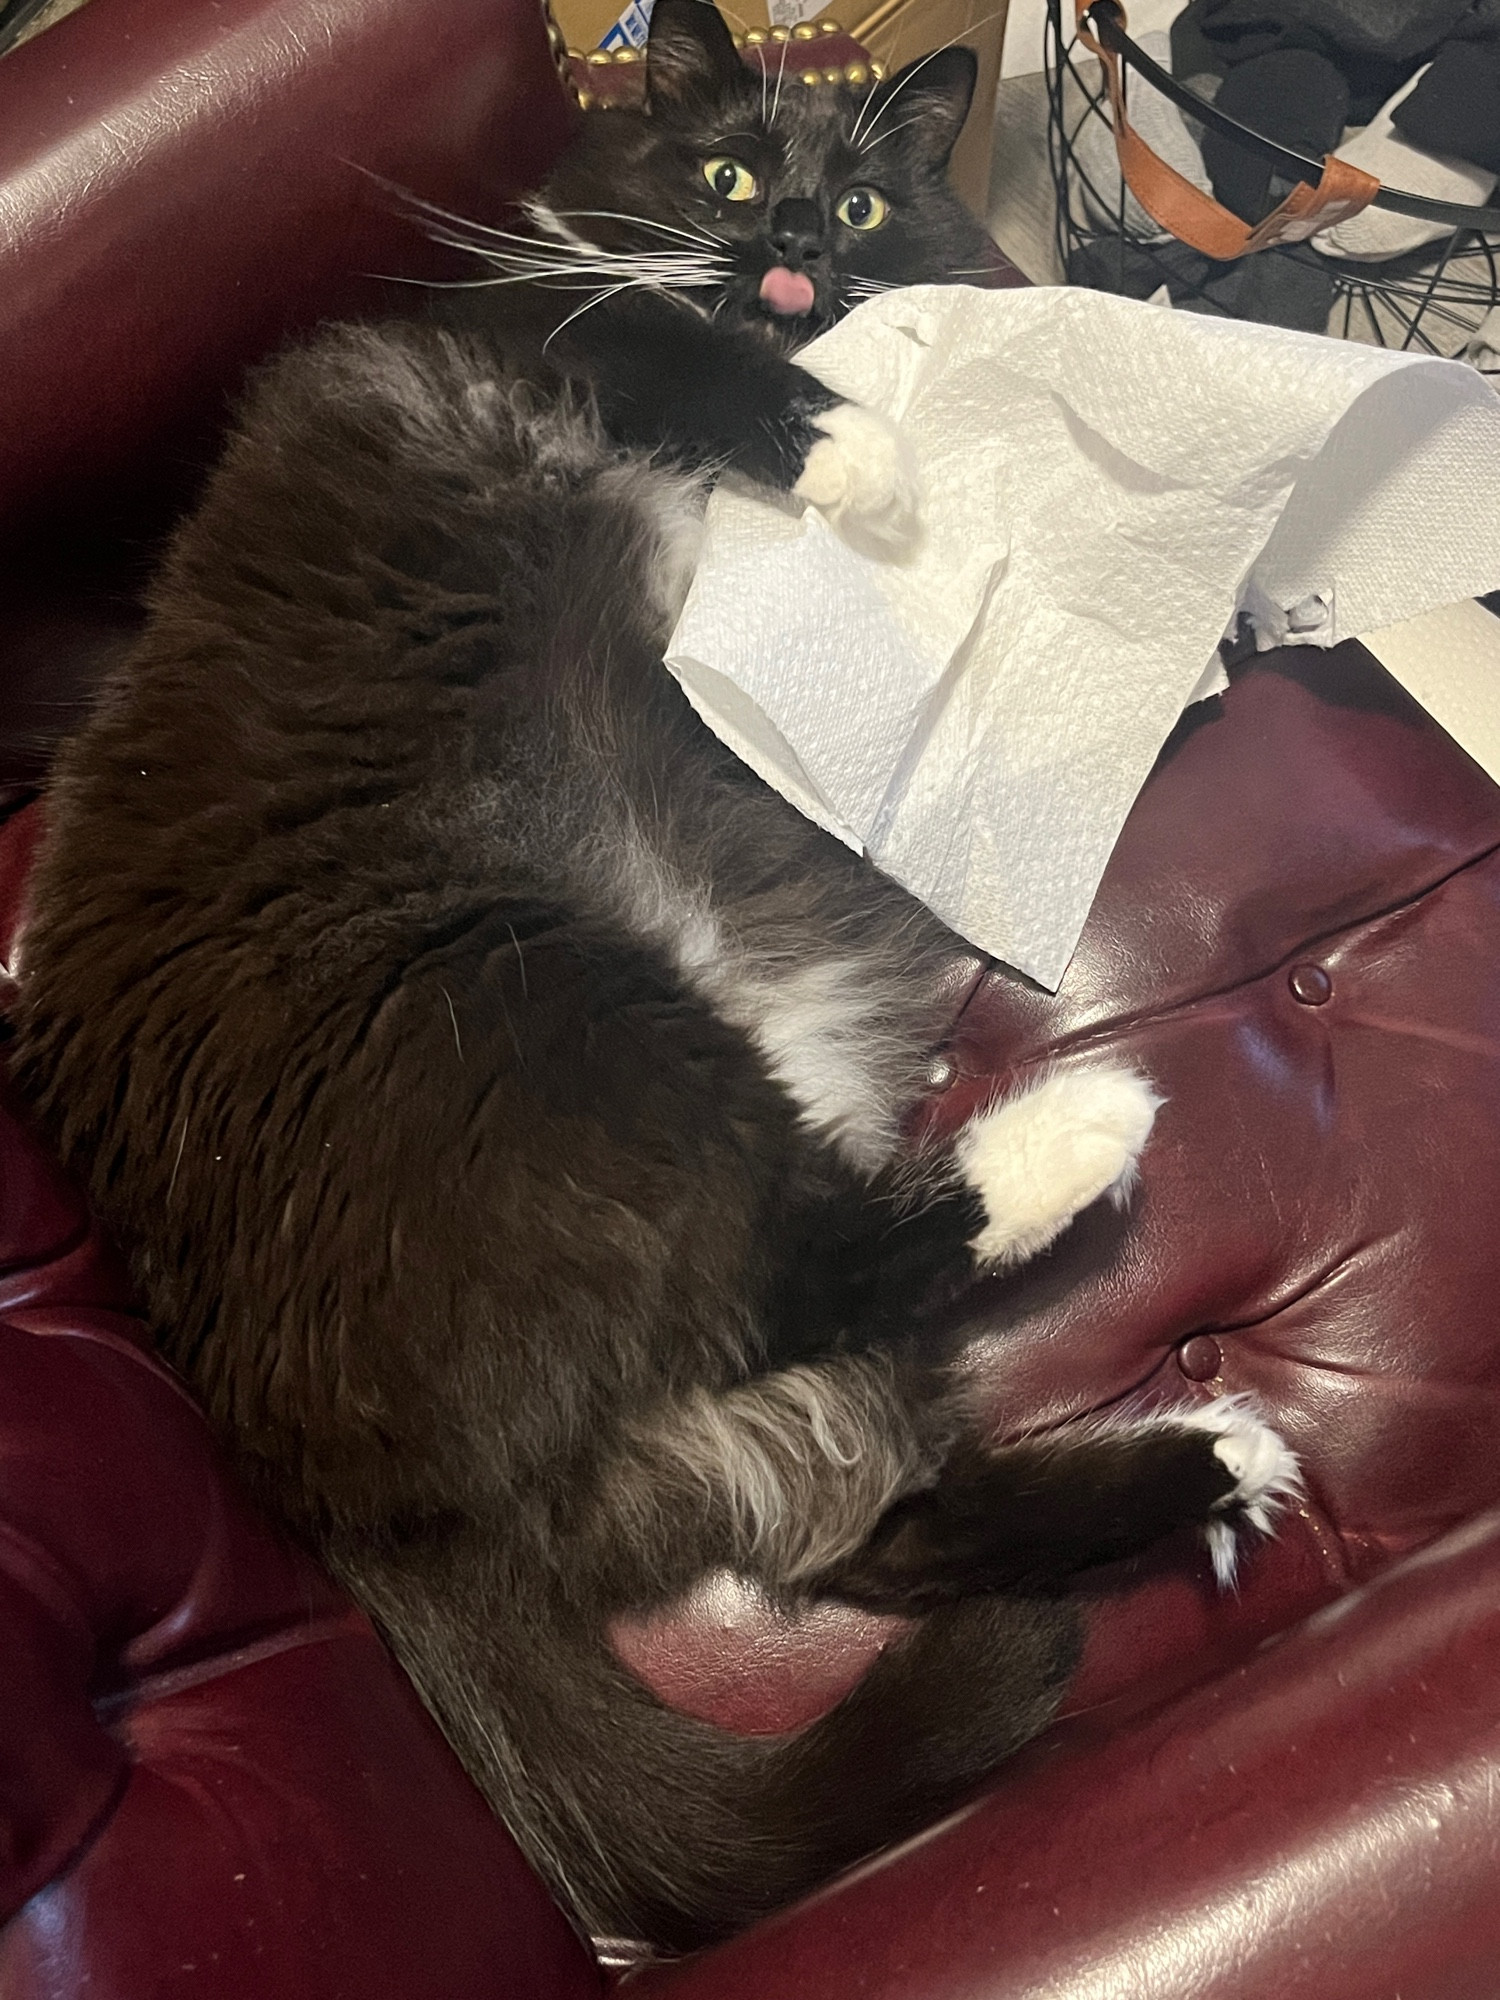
(787, 291)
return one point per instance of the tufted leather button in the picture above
(1310, 984)
(1200, 1358)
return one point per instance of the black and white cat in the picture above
(500, 1092)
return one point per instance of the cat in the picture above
(500, 1093)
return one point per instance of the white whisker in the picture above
(447, 215)
(464, 234)
(869, 137)
(565, 261)
(608, 293)
(859, 116)
(647, 284)
(601, 267)
(642, 221)
(910, 77)
(544, 262)
(879, 139)
(552, 224)
(785, 48)
(576, 281)
(489, 243)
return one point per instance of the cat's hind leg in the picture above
(864, 1477)
(1029, 1514)
(1267, 1476)
(1039, 1158)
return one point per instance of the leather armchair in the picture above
(213, 1779)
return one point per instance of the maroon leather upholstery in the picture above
(211, 1777)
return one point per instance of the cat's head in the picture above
(760, 199)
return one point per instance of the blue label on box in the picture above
(629, 32)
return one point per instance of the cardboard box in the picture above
(893, 32)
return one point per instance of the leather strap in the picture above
(1194, 217)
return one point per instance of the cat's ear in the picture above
(690, 53)
(933, 94)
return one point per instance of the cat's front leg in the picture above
(721, 398)
(1041, 1157)
(861, 476)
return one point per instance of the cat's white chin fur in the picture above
(1267, 1476)
(1039, 1158)
(862, 478)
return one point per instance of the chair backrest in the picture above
(181, 187)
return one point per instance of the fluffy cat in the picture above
(499, 1091)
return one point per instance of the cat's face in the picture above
(781, 207)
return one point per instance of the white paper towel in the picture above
(1106, 484)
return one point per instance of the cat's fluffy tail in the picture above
(650, 1824)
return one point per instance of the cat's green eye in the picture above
(729, 180)
(863, 208)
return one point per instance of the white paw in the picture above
(1266, 1474)
(862, 477)
(1040, 1158)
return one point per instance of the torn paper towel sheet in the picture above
(1105, 484)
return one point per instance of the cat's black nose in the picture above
(797, 233)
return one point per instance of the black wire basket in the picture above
(1431, 300)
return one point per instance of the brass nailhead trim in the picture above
(753, 38)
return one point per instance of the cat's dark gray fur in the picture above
(499, 1091)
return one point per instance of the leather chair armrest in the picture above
(181, 187)
(1322, 1820)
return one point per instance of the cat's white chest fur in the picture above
(1036, 1159)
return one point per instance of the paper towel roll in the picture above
(1106, 486)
